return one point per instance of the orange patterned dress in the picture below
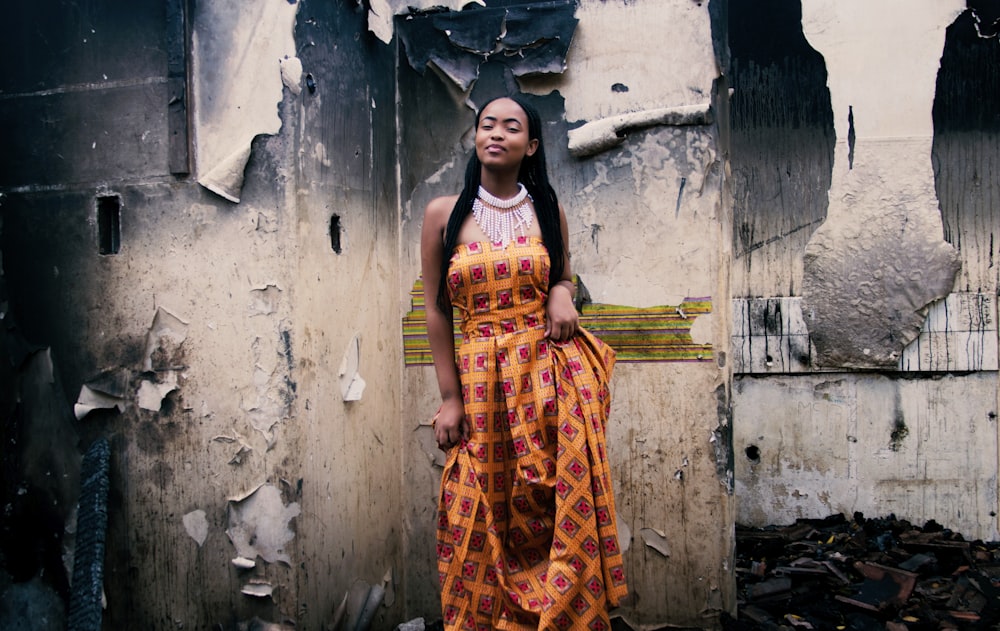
(527, 533)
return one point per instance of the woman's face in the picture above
(502, 140)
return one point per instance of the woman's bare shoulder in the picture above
(439, 210)
(442, 204)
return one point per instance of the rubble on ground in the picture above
(863, 574)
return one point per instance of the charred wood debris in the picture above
(863, 574)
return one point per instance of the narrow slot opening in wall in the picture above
(109, 227)
(335, 231)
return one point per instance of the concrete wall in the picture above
(864, 237)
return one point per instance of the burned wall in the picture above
(66, 77)
(879, 259)
(781, 149)
(966, 150)
(210, 333)
(896, 279)
(346, 278)
(65, 82)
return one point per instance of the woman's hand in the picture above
(561, 316)
(450, 426)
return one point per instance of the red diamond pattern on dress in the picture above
(563, 621)
(584, 507)
(594, 586)
(569, 526)
(577, 468)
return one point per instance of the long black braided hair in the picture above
(534, 175)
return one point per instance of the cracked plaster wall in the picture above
(646, 228)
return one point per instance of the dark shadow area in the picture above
(781, 126)
(966, 149)
(864, 574)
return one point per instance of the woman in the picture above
(526, 526)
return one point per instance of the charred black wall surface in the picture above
(72, 69)
(84, 109)
(966, 150)
(782, 141)
(89, 106)
(83, 103)
(348, 100)
(537, 37)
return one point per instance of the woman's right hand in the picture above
(450, 426)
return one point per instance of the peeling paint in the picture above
(163, 342)
(655, 539)
(244, 563)
(465, 46)
(106, 391)
(259, 524)
(196, 526)
(352, 386)
(291, 74)
(258, 589)
(239, 70)
(879, 259)
(269, 399)
(601, 135)
(359, 605)
(151, 394)
(165, 360)
(264, 301)
(607, 40)
(243, 448)
(381, 12)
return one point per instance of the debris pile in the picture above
(864, 574)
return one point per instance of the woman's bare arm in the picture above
(450, 426)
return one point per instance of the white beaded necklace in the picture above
(499, 218)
